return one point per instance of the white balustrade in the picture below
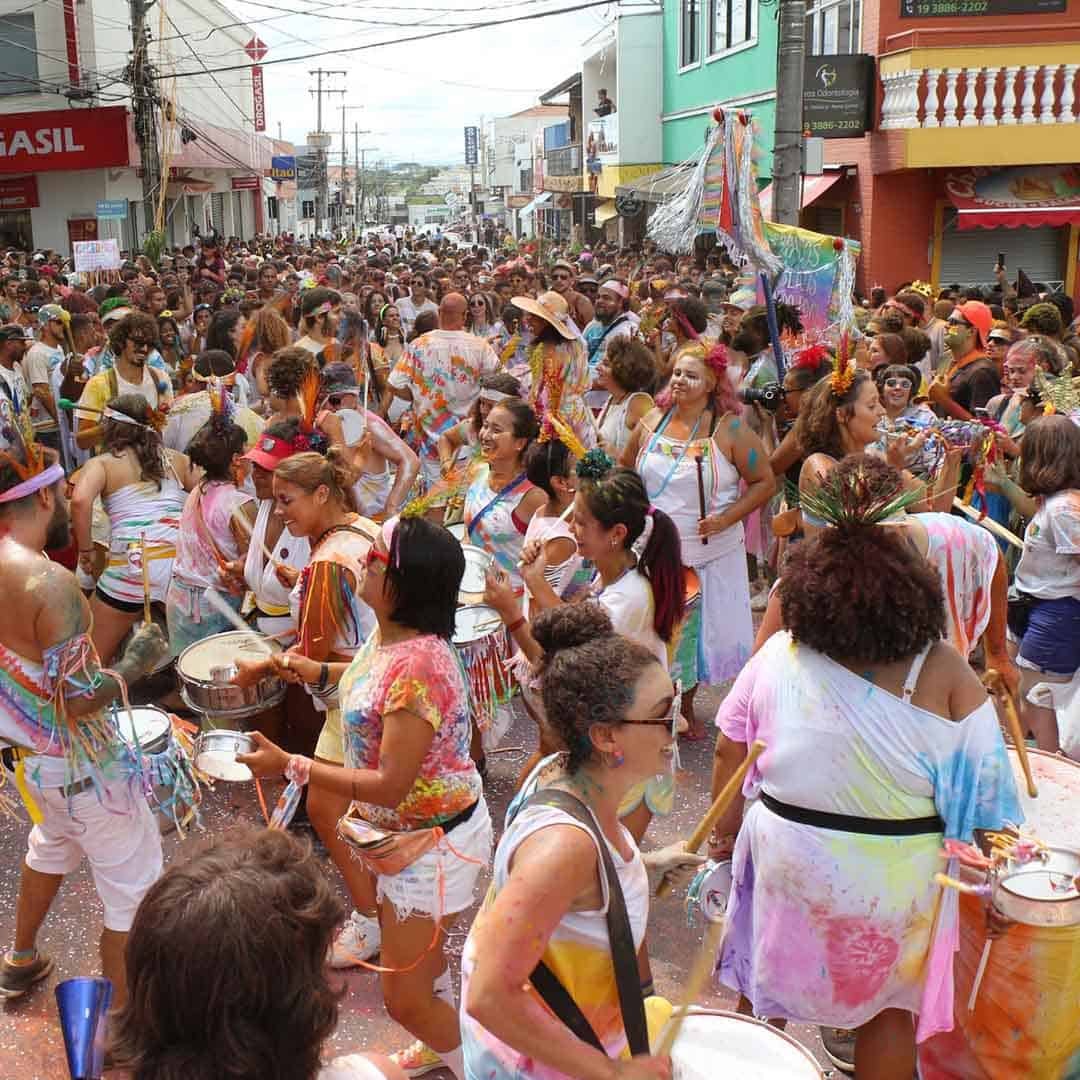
(971, 83)
(949, 104)
(900, 108)
(930, 107)
(1027, 98)
(1065, 113)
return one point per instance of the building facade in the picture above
(976, 147)
(68, 139)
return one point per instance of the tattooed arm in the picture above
(62, 629)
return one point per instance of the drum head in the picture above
(477, 560)
(1054, 879)
(145, 725)
(718, 1044)
(221, 650)
(475, 622)
(458, 531)
(1052, 817)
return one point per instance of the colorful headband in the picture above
(225, 380)
(37, 482)
(903, 308)
(494, 395)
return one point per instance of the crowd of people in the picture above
(320, 439)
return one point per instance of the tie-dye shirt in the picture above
(421, 676)
(490, 522)
(873, 930)
(578, 954)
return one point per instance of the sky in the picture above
(417, 96)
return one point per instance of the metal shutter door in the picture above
(217, 211)
(968, 257)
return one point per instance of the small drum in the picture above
(206, 668)
(473, 581)
(160, 761)
(712, 1044)
(1024, 1023)
(480, 641)
(216, 750)
(709, 891)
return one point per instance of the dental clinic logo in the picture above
(826, 75)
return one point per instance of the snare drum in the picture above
(481, 642)
(712, 1043)
(160, 761)
(206, 668)
(1025, 1021)
(474, 580)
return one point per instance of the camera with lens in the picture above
(770, 396)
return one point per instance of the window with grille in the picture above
(689, 32)
(834, 27)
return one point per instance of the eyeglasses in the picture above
(670, 719)
(560, 277)
(897, 384)
(141, 344)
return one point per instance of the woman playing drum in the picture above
(142, 488)
(613, 705)
(214, 531)
(408, 770)
(878, 745)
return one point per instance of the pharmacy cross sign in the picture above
(256, 49)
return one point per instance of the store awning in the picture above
(527, 210)
(605, 211)
(812, 190)
(1032, 196)
(659, 186)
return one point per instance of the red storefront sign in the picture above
(246, 183)
(62, 139)
(258, 98)
(19, 193)
(1022, 195)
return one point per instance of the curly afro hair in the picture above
(860, 593)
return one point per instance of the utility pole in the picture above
(344, 159)
(788, 137)
(321, 142)
(361, 186)
(143, 100)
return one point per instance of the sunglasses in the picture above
(961, 323)
(479, 303)
(139, 343)
(560, 277)
(670, 719)
(898, 384)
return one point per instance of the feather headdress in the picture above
(17, 446)
(844, 373)
(850, 501)
(554, 427)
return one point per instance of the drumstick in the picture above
(720, 804)
(226, 612)
(996, 685)
(246, 526)
(695, 982)
(701, 488)
(988, 523)
(145, 579)
(979, 973)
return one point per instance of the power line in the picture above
(408, 40)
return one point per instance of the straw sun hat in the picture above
(550, 307)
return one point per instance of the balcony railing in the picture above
(566, 161)
(980, 97)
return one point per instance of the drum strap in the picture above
(620, 938)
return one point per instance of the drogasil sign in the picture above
(65, 139)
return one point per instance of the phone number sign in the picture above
(936, 9)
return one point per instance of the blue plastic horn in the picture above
(83, 1005)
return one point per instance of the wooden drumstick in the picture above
(997, 686)
(246, 526)
(223, 609)
(701, 487)
(691, 989)
(989, 524)
(979, 973)
(720, 804)
(145, 579)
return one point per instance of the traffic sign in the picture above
(256, 49)
(112, 208)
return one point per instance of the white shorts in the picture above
(115, 829)
(416, 890)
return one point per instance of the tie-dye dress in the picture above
(833, 927)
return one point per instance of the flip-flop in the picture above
(693, 736)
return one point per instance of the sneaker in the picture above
(360, 939)
(759, 599)
(16, 979)
(417, 1060)
(839, 1044)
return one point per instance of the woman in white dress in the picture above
(707, 469)
(628, 372)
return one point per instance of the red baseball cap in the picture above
(270, 451)
(980, 317)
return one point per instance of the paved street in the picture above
(31, 1047)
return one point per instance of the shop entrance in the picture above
(15, 230)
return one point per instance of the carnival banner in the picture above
(818, 274)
